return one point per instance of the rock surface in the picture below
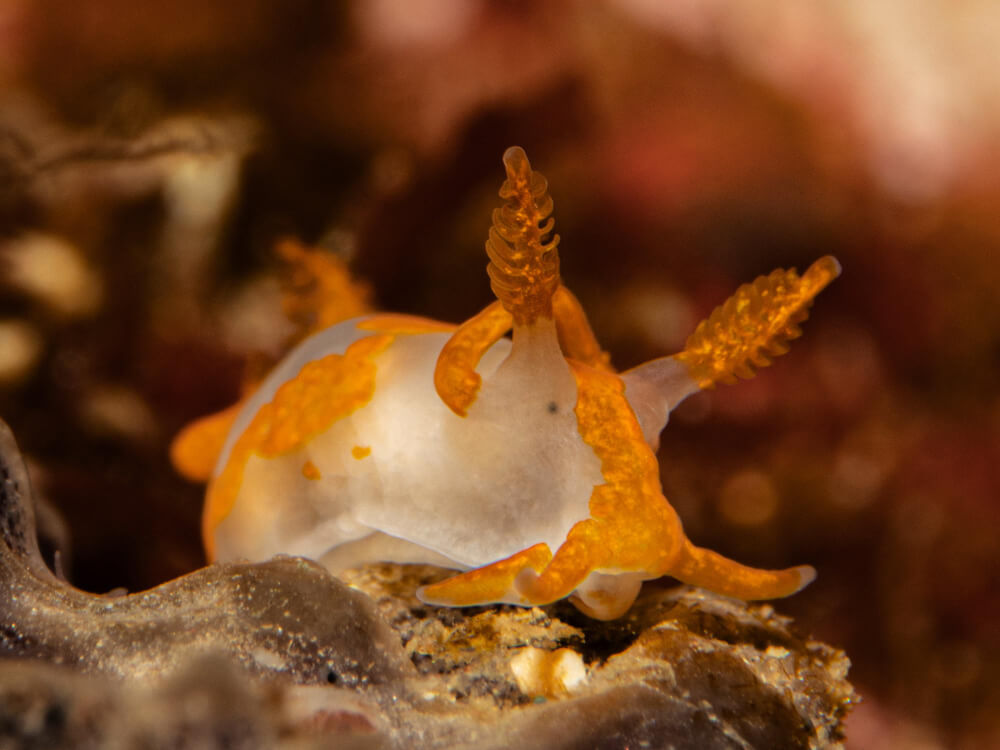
(287, 616)
(684, 668)
(281, 654)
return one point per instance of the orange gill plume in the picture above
(524, 263)
(755, 322)
(318, 289)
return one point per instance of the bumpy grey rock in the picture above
(286, 617)
(283, 655)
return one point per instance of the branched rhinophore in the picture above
(524, 262)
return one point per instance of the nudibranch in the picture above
(527, 463)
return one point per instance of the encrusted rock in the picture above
(281, 654)
(684, 668)
(287, 617)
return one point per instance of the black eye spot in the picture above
(553, 407)
(332, 677)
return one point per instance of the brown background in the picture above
(165, 147)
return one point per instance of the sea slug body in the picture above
(527, 462)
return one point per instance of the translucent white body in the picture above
(436, 487)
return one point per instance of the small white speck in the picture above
(268, 658)
(777, 652)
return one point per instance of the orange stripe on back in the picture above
(324, 391)
(401, 324)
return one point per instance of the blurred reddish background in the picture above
(152, 153)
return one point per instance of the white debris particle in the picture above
(267, 658)
(548, 673)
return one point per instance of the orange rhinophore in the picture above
(528, 463)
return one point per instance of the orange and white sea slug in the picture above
(528, 462)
